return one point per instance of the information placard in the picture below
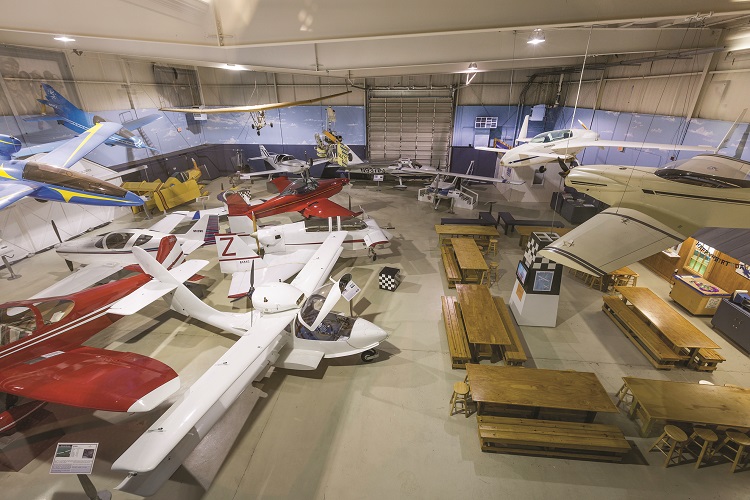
(350, 291)
(74, 458)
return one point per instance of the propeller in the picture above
(57, 233)
(583, 125)
(251, 290)
(255, 233)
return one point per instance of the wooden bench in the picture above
(514, 354)
(643, 337)
(706, 360)
(510, 222)
(552, 438)
(452, 271)
(458, 344)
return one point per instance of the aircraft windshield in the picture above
(553, 135)
(62, 177)
(333, 327)
(117, 241)
(300, 186)
(284, 158)
(317, 225)
(54, 310)
(16, 323)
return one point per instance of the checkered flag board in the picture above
(537, 241)
(389, 279)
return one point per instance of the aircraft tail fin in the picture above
(281, 183)
(170, 252)
(54, 100)
(524, 132)
(8, 146)
(205, 229)
(264, 151)
(234, 254)
(729, 133)
(236, 202)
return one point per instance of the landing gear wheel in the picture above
(574, 163)
(370, 355)
(258, 132)
(253, 126)
(542, 169)
(271, 124)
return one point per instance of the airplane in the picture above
(305, 195)
(567, 143)
(331, 147)
(651, 209)
(292, 326)
(286, 248)
(116, 248)
(400, 169)
(79, 121)
(49, 177)
(43, 357)
(258, 111)
(281, 164)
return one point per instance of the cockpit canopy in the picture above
(283, 157)
(712, 171)
(333, 327)
(552, 135)
(300, 186)
(48, 174)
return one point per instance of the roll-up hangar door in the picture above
(412, 124)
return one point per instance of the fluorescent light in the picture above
(64, 38)
(536, 37)
(233, 67)
(473, 67)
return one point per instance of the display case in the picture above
(698, 296)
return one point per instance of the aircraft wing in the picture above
(140, 122)
(481, 178)
(326, 208)
(89, 377)
(240, 284)
(168, 223)
(499, 151)
(39, 148)
(641, 145)
(263, 173)
(252, 109)
(78, 147)
(610, 240)
(79, 280)
(12, 191)
(318, 268)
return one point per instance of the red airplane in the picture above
(305, 195)
(42, 357)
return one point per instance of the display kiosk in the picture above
(536, 293)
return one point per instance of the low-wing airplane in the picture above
(79, 121)
(49, 177)
(305, 195)
(292, 326)
(402, 168)
(258, 110)
(116, 248)
(287, 248)
(651, 209)
(280, 164)
(42, 356)
(565, 144)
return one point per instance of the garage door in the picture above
(414, 124)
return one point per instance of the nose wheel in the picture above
(371, 253)
(370, 355)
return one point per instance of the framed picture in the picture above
(543, 281)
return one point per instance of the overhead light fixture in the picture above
(233, 67)
(64, 38)
(471, 72)
(536, 37)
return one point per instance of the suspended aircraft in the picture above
(305, 195)
(330, 147)
(43, 357)
(79, 121)
(49, 177)
(292, 326)
(280, 164)
(258, 110)
(286, 248)
(565, 144)
(116, 248)
(651, 209)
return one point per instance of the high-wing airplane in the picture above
(287, 248)
(280, 164)
(49, 177)
(42, 356)
(331, 147)
(305, 195)
(565, 144)
(79, 121)
(116, 248)
(292, 326)
(258, 110)
(651, 209)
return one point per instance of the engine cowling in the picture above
(277, 297)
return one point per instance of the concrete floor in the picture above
(381, 430)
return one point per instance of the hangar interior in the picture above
(431, 83)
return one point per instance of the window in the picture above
(142, 240)
(485, 122)
(16, 323)
(54, 310)
(116, 241)
(700, 259)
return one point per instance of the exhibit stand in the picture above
(536, 293)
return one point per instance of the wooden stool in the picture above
(460, 399)
(709, 437)
(736, 438)
(494, 272)
(624, 396)
(672, 439)
(492, 246)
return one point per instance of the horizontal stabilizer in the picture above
(140, 122)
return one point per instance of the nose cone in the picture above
(366, 335)
(133, 200)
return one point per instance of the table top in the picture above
(624, 271)
(468, 254)
(515, 385)
(481, 319)
(662, 316)
(466, 230)
(693, 403)
(701, 286)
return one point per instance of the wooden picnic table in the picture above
(663, 400)
(484, 327)
(481, 233)
(501, 389)
(669, 323)
(471, 261)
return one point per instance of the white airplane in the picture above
(400, 169)
(287, 248)
(116, 248)
(567, 143)
(292, 326)
(651, 209)
(280, 164)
